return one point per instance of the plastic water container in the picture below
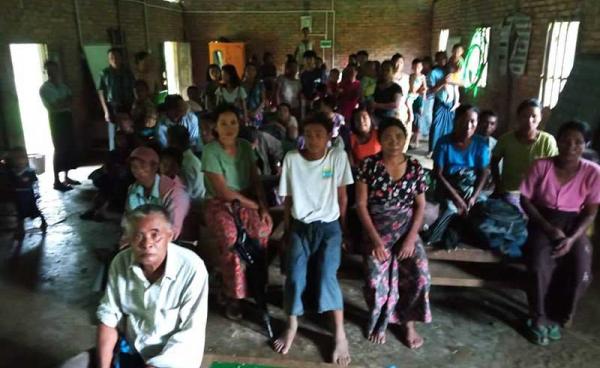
(37, 162)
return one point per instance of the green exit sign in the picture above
(326, 44)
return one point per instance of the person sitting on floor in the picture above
(170, 163)
(364, 140)
(112, 181)
(145, 129)
(207, 128)
(176, 113)
(194, 99)
(390, 196)
(560, 195)
(152, 188)
(231, 174)
(143, 101)
(191, 166)
(19, 184)
(461, 161)
(313, 182)
(155, 307)
(519, 148)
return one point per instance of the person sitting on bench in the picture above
(390, 196)
(231, 174)
(518, 149)
(151, 188)
(154, 310)
(561, 196)
(461, 161)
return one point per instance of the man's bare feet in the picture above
(411, 337)
(377, 337)
(341, 352)
(284, 342)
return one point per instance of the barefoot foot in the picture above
(377, 338)
(284, 342)
(341, 353)
(411, 337)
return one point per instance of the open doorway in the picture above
(28, 69)
(178, 66)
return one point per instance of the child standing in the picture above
(313, 182)
(368, 82)
(333, 82)
(310, 77)
(288, 87)
(348, 92)
(213, 81)
(416, 95)
(22, 184)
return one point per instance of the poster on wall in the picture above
(306, 22)
(503, 48)
(517, 35)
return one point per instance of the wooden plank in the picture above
(280, 361)
(466, 274)
(464, 253)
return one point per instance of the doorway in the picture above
(178, 66)
(29, 75)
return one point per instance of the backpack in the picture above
(499, 226)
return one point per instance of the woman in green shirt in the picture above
(230, 173)
(518, 148)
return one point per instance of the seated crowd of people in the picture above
(236, 149)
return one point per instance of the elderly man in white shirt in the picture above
(156, 298)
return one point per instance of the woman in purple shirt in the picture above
(560, 194)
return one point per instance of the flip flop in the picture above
(554, 332)
(537, 334)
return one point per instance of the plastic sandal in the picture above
(554, 333)
(538, 334)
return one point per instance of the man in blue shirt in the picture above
(177, 113)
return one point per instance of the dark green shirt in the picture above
(117, 86)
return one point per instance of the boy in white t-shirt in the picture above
(313, 182)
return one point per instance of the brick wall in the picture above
(502, 93)
(382, 27)
(38, 22)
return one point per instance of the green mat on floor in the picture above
(238, 365)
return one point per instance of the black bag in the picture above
(246, 247)
(251, 253)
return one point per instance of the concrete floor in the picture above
(48, 300)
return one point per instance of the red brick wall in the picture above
(38, 21)
(382, 27)
(502, 94)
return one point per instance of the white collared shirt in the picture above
(192, 175)
(164, 321)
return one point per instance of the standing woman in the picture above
(213, 82)
(257, 95)
(57, 97)
(231, 91)
(561, 196)
(230, 173)
(388, 95)
(390, 196)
